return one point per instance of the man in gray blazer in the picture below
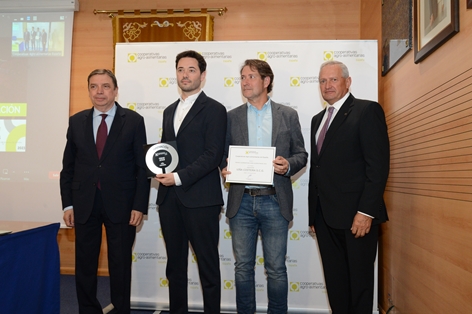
(267, 209)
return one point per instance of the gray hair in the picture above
(343, 67)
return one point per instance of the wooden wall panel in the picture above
(426, 247)
(66, 242)
(371, 28)
(431, 142)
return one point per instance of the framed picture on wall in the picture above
(397, 18)
(469, 4)
(435, 21)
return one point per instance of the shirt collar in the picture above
(337, 105)
(250, 106)
(110, 112)
(190, 99)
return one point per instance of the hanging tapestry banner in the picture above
(162, 28)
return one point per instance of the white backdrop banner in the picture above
(147, 84)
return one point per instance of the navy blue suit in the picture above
(123, 187)
(191, 212)
(349, 175)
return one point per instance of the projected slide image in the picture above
(30, 39)
(12, 135)
(12, 129)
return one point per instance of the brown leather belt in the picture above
(259, 192)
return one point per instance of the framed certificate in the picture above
(251, 165)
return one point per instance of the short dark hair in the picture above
(202, 65)
(263, 68)
(101, 72)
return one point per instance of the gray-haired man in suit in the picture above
(265, 209)
(349, 169)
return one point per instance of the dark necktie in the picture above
(102, 134)
(322, 135)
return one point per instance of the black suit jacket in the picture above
(200, 145)
(121, 168)
(351, 171)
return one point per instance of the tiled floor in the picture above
(69, 299)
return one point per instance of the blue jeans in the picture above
(260, 213)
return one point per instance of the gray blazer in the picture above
(286, 138)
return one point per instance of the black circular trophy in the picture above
(162, 158)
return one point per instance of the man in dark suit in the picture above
(26, 39)
(348, 174)
(44, 39)
(267, 209)
(103, 182)
(33, 39)
(190, 199)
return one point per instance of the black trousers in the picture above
(348, 266)
(88, 238)
(199, 226)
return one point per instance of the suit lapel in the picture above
(318, 118)
(242, 123)
(169, 129)
(197, 106)
(276, 120)
(88, 133)
(338, 121)
(315, 125)
(116, 126)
